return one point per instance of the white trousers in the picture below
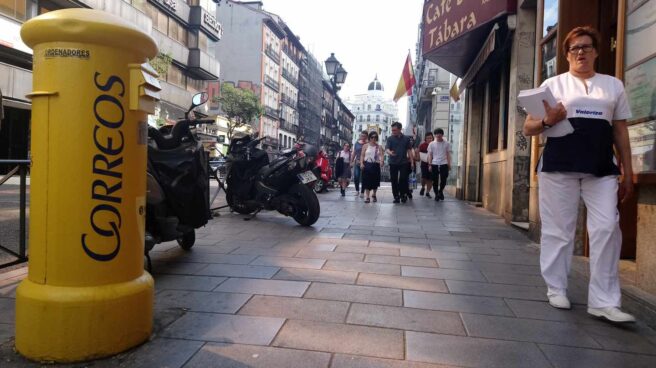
(559, 201)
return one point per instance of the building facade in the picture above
(516, 44)
(186, 33)
(310, 94)
(373, 112)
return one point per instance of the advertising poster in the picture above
(640, 85)
(640, 31)
(643, 146)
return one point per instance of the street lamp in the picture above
(337, 75)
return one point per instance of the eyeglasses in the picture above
(585, 48)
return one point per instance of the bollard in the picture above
(87, 295)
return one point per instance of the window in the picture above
(368, 117)
(498, 109)
(550, 16)
(377, 117)
(14, 8)
(549, 42)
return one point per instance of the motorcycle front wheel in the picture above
(307, 205)
(187, 240)
(236, 205)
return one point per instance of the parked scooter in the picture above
(284, 185)
(326, 172)
(177, 199)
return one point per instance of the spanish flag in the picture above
(407, 80)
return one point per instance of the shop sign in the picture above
(171, 4)
(210, 21)
(446, 20)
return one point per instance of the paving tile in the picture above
(279, 252)
(371, 237)
(335, 256)
(177, 268)
(472, 352)
(397, 245)
(543, 311)
(7, 310)
(296, 308)
(566, 357)
(353, 361)
(464, 249)
(408, 319)
(408, 261)
(427, 253)
(262, 272)
(508, 268)
(245, 356)
(289, 262)
(185, 282)
(458, 265)
(7, 332)
(240, 259)
(402, 282)
(304, 274)
(367, 250)
(355, 293)
(519, 259)
(634, 338)
(529, 330)
(442, 273)
(343, 241)
(201, 301)
(264, 287)
(341, 338)
(514, 279)
(204, 249)
(386, 269)
(455, 303)
(225, 328)
(161, 352)
(498, 290)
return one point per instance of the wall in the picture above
(240, 49)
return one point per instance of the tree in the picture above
(240, 106)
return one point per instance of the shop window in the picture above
(494, 101)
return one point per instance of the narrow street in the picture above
(370, 285)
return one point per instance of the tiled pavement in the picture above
(423, 284)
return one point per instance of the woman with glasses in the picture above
(371, 160)
(582, 165)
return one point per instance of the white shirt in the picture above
(438, 151)
(592, 105)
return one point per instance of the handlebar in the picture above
(180, 129)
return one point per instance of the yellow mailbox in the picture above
(86, 294)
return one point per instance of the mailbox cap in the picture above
(88, 26)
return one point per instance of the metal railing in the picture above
(272, 54)
(21, 169)
(271, 83)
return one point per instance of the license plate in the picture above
(307, 177)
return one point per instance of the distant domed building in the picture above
(373, 111)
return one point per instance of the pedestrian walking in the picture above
(426, 178)
(343, 167)
(411, 167)
(439, 156)
(399, 151)
(357, 172)
(582, 165)
(371, 161)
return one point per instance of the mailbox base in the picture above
(68, 324)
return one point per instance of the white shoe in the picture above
(612, 314)
(559, 301)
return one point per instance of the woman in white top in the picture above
(343, 167)
(582, 165)
(371, 160)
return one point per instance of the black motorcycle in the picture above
(177, 200)
(284, 184)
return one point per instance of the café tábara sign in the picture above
(447, 20)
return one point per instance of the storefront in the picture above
(628, 52)
(489, 45)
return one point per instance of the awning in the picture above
(485, 51)
(454, 32)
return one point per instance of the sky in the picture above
(368, 37)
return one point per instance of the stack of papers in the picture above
(531, 101)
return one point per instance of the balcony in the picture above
(270, 141)
(288, 75)
(168, 46)
(271, 112)
(289, 127)
(272, 54)
(287, 50)
(272, 83)
(202, 66)
(288, 100)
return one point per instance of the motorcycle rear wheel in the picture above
(319, 186)
(187, 240)
(309, 213)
